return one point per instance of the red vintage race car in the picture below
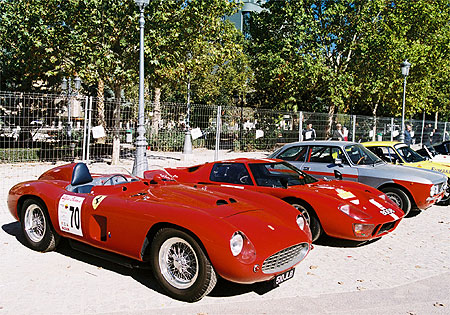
(187, 235)
(341, 209)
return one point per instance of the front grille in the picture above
(285, 258)
(386, 227)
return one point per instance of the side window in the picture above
(336, 153)
(297, 153)
(383, 153)
(392, 155)
(321, 154)
(232, 173)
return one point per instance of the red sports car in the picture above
(341, 209)
(187, 235)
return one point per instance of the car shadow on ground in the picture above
(142, 274)
(329, 241)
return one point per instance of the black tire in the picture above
(311, 218)
(399, 197)
(188, 280)
(36, 226)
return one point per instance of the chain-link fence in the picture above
(50, 127)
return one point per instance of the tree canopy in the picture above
(335, 56)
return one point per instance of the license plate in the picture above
(283, 277)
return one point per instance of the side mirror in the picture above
(337, 175)
(284, 182)
(338, 161)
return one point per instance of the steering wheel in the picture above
(360, 159)
(110, 179)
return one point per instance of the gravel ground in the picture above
(406, 272)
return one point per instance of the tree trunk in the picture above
(116, 129)
(101, 121)
(156, 113)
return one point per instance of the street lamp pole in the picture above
(405, 65)
(187, 149)
(140, 161)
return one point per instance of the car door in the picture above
(323, 160)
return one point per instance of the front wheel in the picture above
(36, 226)
(311, 218)
(181, 266)
(399, 197)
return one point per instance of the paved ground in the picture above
(407, 272)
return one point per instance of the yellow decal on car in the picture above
(344, 194)
(97, 200)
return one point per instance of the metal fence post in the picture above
(218, 127)
(300, 126)
(423, 126)
(354, 129)
(86, 102)
(392, 129)
(88, 143)
(445, 130)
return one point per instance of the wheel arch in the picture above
(145, 250)
(302, 201)
(402, 188)
(22, 200)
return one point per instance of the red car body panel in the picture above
(420, 193)
(117, 218)
(323, 196)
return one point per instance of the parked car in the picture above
(188, 236)
(341, 209)
(400, 153)
(430, 153)
(407, 186)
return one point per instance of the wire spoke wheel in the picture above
(178, 262)
(311, 219)
(34, 221)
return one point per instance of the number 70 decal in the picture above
(69, 214)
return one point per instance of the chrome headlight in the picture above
(236, 243)
(301, 222)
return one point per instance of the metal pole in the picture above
(402, 135)
(300, 126)
(84, 128)
(354, 129)
(187, 137)
(218, 127)
(445, 130)
(89, 130)
(69, 118)
(423, 127)
(140, 161)
(392, 129)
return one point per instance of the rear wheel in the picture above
(181, 266)
(311, 218)
(400, 198)
(36, 226)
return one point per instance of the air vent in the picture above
(232, 200)
(221, 202)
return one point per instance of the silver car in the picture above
(408, 187)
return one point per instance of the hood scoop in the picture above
(222, 202)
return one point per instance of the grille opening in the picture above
(285, 258)
(386, 227)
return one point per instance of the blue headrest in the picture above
(81, 175)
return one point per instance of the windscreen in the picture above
(279, 175)
(360, 155)
(408, 154)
